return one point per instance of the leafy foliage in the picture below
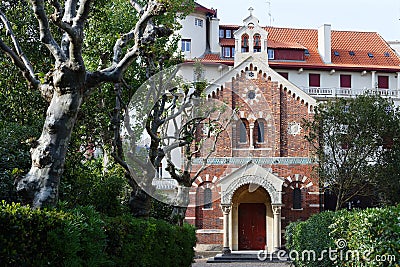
(357, 142)
(50, 237)
(83, 237)
(14, 155)
(89, 183)
(312, 234)
(133, 241)
(367, 237)
(372, 232)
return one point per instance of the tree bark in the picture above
(181, 203)
(40, 185)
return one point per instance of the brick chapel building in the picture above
(261, 176)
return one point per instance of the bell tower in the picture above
(251, 40)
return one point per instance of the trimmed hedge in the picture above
(374, 233)
(83, 237)
(368, 237)
(310, 235)
(149, 242)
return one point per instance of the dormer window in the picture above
(228, 34)
(351, 53)
(306, 52)
(221, 33)
(245, 43)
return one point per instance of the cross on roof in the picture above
(251, 11)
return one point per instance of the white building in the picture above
(322, 62)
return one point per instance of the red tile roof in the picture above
(287, 45)
(227, 42)
(215, 58)
(361, 43)
(229, 27)
(203, 9)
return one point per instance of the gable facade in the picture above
(261, 159)
(260, 178)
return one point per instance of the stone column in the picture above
(251, 126)
(374, 83)
(226, 209)
(277, 226)
(398, 83)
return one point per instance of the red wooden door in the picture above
(252, 224)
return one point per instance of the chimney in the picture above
(324, 43)
(214, 35)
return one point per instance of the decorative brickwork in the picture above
(280, 150)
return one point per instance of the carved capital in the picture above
(276, 209)
(226, 209)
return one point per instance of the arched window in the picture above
(245, 43)
(296, 199)
(243, 131)
(260, 131)
(207, 198)
(257, 43)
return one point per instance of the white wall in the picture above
(328, 80)
(212, 72)
(197, 35)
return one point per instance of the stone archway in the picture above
(255, 176)
(265, 182)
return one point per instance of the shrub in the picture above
(83, 237)
(372, 233)
(311, 235)
(361, 238)
(149, 242)
(49, 237)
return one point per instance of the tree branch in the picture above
(144, 33)
(18, 56)
(45, 33)
(83, 13)
(136, 6)
(57, 18)
(214, 144)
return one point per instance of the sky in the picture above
(382, 16)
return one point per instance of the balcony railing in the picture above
(322, 92)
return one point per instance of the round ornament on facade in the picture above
(294, 128)
(251, 94)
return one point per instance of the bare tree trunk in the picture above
(40, 185)
(181, 203)
(140, 203)
(339, 200)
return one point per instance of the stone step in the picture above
(247, 257)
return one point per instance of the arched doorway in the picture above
(251, 183)
(252, 218)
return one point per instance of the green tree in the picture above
(70, 79)
(356, 143)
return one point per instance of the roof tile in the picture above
(361, 43)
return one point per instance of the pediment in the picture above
(255, 29)
(269, 72)
(251, 173)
